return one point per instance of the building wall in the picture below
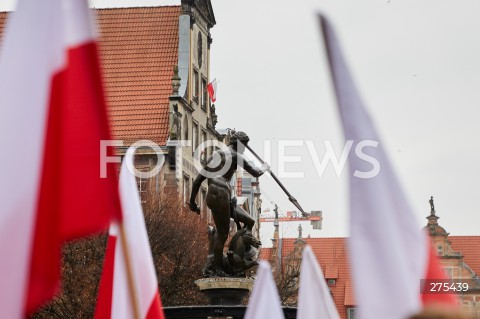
(453, 263)
(248, 187)
(332, 255)
(192, 109)
(190, 115)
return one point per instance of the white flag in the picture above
(388, 252)
(314, 298)
(264, 302)
(114, 300)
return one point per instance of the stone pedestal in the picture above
(226, 301)
(225, 291)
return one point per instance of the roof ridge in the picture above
(139, 7)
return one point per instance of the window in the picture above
(185, 128)
(449, 271)
(194, 137)
(439, 250)
(350, 313)
(203, 156)
(204, 94)
(331, 282)
(142, 163)
(199, 49)
(196, 90)
(142, 187)
(209, 216)
(203, 204)
(186, 188)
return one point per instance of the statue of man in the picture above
(432, 206)
(221, 166)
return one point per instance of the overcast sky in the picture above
(416, 64)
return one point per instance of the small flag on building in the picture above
(212, 90)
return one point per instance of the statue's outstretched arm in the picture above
(250, 167)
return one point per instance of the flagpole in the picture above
(128, 268)
(290, 197)
(204, 90)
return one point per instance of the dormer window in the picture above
(351, 313)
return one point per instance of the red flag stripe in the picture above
(73, 201)
(435, 272)
(212, 90)
(155, 311)
(104, 300)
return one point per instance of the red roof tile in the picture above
(469, 247)
(138, 49)
(265, 253)
(3, 19)
(331, 271)
(349, 295)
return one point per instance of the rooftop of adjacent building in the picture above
(332, 255)
(138, 50)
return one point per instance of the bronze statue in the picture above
(241, 253)
(220, 167)
(432, 206)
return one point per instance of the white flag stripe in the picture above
(26, 63)
(139, 248)
(387, 248)
(264, 301)
(78, 27)
(314, 298)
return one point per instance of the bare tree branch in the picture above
(179, 244)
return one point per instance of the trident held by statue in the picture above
(290, 197)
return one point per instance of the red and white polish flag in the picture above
(114, 299)
(52, 118)
(212, 90)
(389, 254)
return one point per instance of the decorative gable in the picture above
(203, 9)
